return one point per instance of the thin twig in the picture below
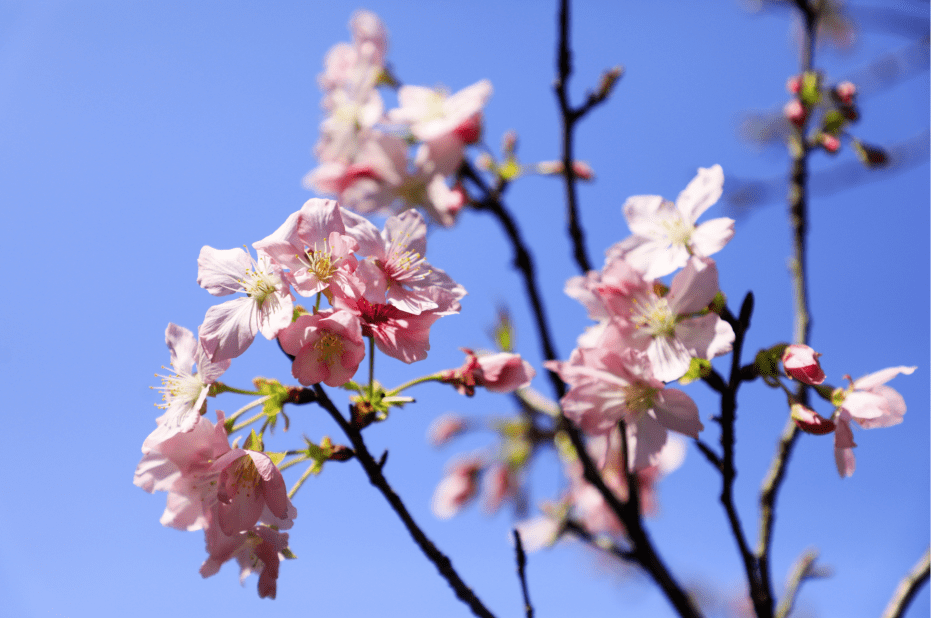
(798, 215)
(521, 573)
(373, 471)
(908, 587)
(569, 117)
(491, 202)
(600, 543)
(802, 570)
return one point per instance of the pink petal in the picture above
(711, 236)
(703, 191)
(219, 271)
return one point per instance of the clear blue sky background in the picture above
(132, 133)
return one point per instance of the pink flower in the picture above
(250, 487)
(397, 262)
(445, 428)
(433, 114)
(180, 465)
(801, 363)
(185, 392)
(258, 550)
(795, 112)
(458, 487)
(665, 234)
(666, 326)
(869, 403)
(312, 243)
(327, 347)
(810, 421)
(499, 373)
(229, 329)
(613, 381)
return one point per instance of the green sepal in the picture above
(374, 405)
(767, 361)
(503, 331)
(319, 453)
(276, 458)
(810, 91)
(288, 554)
(833, 122)
(718, 303)
(837, 397)
(254, 442)
(297, 312)
(825, 391)
(277, 395)
(698, 369)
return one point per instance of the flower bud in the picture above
(830, 142)
(801, 363)
(795, 112)
(845, 91)
(794, 84)
(445, 428)
(810, 421)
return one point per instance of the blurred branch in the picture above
(521, 574)
(374, 472)
(770, 128)
(742, 196)
(908, 587)
(569, 117)
(803, 569)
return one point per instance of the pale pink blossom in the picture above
(401, 335)
(458, 486)
(259, 550)
(810, 421)
(801, 363)
(665, 234)
(327, 347)
(500, 482)
(249, 487)
(312, 243)
(670, 328)
(432, 114)
(503, 372)
(612, 382)
(795, 112)
(368, 30)
(185, 392)
(445, 428)
(396, 262)
(229, 328)
(540, 531)
(870, 404)
(180, 465)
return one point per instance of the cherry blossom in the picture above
(458, 487)
(503, 372)
(665, 234)
(432, 114)
(185, 392)
(327, 347)
(313, 245)
(258, 550)
(249, 487)
(670, 328)
(229, 328)
(801, 363)
(870, 404)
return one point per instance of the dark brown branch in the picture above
(491, 202)
(521, 558)
(908, 587)
(570, 116)
(373, 470)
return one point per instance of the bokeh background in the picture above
(132, 133)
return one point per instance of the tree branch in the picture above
(373, 470)
(908, 587)
(521, 574)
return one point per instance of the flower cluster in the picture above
(236, 496)
(646, 334)
(364, 150)
(867, 402)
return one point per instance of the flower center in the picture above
(638, 398)
(330, 348)
(259, 284)
(321, 262)
(678, 231)
(180, 387)
(656, 317)
(245, 476)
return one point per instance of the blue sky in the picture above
(133, 133)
